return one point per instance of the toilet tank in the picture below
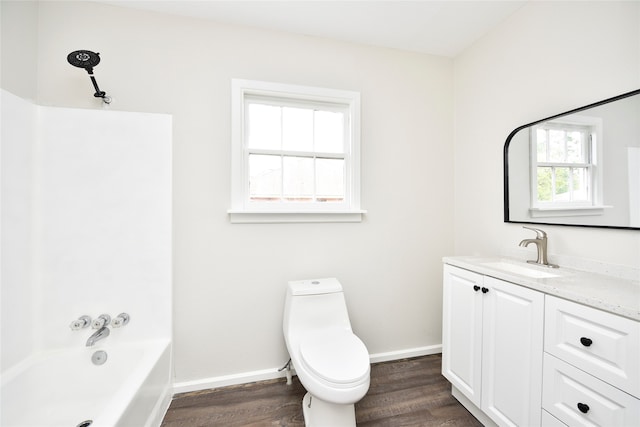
(314, 304)
(314, 286)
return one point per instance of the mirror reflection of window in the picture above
(577, 168)
(564, 169)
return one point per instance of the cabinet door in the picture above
(461, 331)
(512, 353)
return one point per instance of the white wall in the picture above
(229, 280)
(547, 58)
(19, 47)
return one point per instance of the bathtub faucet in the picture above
(98, 335)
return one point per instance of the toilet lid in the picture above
(337, 356)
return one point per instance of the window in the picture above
(565, 173)
(295, 153)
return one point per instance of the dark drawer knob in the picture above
(586, 341)
(583, 407)
(476, 288)
(484, 290)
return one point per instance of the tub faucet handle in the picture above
(120, 320)
(80, 323)
(101, 321)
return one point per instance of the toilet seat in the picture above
(336, 356)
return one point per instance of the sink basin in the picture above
(521, 270)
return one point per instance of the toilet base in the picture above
(319, 413)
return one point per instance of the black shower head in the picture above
(87, 60)
(84, 59)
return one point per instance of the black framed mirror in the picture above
(578, 168)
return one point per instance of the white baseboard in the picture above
(269, 374)
(225, 380)
(406, 353)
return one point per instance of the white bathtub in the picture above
(64, 388)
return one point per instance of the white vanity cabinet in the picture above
(541, 348)
(493, 345)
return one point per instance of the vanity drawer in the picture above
(548, 420)
(600, 343)
(578, 399)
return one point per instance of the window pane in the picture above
(544, 184)
(265, 177)
(298, 179)
(264, 126)
(329, 132)
(297, 132)
(575, 147)
(580, 184)
(330, 180)
(562, 185)
(541, 144)
(556, 145)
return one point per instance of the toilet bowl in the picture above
(331, 362)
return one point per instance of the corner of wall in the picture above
(19, 47)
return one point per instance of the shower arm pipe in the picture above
(99, 93)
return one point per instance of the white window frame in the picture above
(243, 210)
(556, 209)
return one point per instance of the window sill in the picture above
(568, 211)
(248, 217)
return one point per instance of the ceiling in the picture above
(429, 26)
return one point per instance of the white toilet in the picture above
(330, 361)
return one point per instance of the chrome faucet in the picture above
(541, 243)
(98, 335)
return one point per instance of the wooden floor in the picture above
(409, 392)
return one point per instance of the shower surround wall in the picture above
(86, 225)
(17, 293)
(105, 222)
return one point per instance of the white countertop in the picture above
(608, 293)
